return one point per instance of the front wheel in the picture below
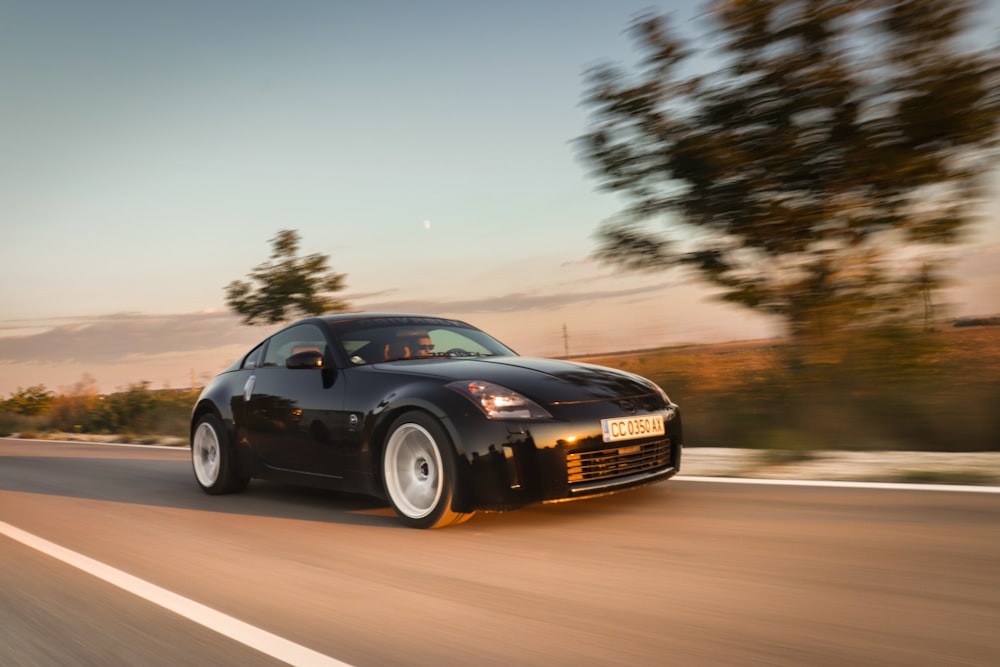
(213, 460)
(418, 471)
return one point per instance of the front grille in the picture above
(619, 461)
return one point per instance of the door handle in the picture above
(248, 387)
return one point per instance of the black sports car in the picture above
(431, 414)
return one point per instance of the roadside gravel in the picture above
(867, 466)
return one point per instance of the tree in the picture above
(812, 174)
(34, 400)
(286, 285)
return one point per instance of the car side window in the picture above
(252, 360)
(301, 338)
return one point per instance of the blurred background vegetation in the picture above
(136, 414)
(880, 389)
(807, 159)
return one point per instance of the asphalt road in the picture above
(681, 573)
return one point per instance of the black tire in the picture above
(418, 472)
(213, 459)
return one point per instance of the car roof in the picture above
(388, 318)
(345, 317)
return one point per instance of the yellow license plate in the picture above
(630, 428)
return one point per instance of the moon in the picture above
(427, 224)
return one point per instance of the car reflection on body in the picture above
(432, 415)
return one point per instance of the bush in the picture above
(136, 411)
(12, 422)
(34, 400)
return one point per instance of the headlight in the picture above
(498, 402)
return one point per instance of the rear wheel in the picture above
(213, 460)
(418, 471)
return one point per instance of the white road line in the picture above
(960, 488)
(176, 448)
(261, 640)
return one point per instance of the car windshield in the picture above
(388, 340)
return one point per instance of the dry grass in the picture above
(972, 354)
(933, 391)
(718, 367)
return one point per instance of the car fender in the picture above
(213, 400)
(217, 398)
(431, 398)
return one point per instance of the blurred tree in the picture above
(287, 285)
(74, 409)
(812, 172)
(34, 400)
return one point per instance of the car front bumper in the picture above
(506, 465)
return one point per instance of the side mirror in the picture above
(307, 359)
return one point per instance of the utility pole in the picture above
(926, 280)
(565, 341)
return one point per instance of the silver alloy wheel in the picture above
(206, 455)
(413, 470)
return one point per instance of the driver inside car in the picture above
(407, 348)
(422, 346)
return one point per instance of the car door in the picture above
(294, 416)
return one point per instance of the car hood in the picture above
(546, 381)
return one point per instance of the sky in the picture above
(149, 151)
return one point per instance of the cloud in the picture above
(512, 302)
(122, 336)
(361, 296)
(185, 349)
